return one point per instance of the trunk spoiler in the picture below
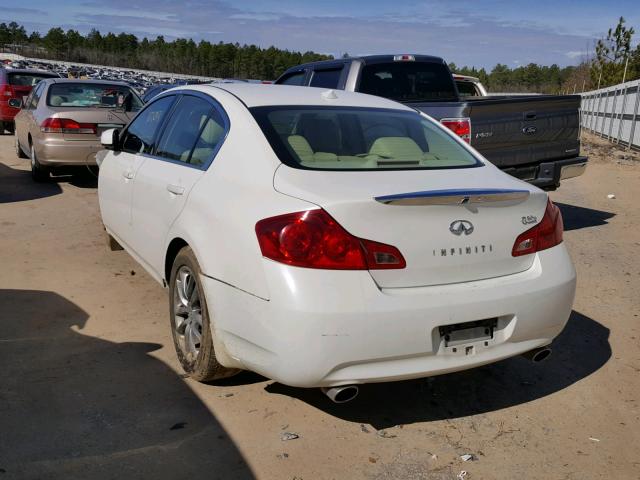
(472, 196)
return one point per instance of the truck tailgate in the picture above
(515, 131)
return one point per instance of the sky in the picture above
(466, 32)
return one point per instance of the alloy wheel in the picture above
(187, 313)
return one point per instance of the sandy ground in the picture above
(90, 386)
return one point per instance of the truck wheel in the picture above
(38, 172)
(190, 325)
(19, 152)
(11, 127)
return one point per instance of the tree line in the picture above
(614, 58)
(226, 60)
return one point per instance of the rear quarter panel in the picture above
(218, 221)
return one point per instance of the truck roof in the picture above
(370, 59)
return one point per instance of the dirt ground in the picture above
(90, 386)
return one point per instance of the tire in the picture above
(39, 173)
(1, 128)
(190, 323)
(19, 152)
(11, 127)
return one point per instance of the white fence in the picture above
(613, 113)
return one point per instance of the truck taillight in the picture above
(66, 125)
(546, 234)
(459, 126)
(313, 239)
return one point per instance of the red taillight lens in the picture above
(66, 125)
(6, 90)
(313, 239)
(547, 234)
(459, 126)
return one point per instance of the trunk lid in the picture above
(430, 228)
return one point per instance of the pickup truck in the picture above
(535, 138)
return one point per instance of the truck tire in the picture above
(190, 323)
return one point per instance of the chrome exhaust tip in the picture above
(342, 394)
(538, 355)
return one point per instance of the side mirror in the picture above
(15, 103)
(110, 139)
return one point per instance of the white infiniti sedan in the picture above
(327, 238)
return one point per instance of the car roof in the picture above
(259, 95)
(78, 80)
(366, 59)
(30, 70)
(466, 78)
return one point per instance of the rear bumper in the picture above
(548, 175)
(323, 329)
(59, 152)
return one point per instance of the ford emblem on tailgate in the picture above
(530, 130)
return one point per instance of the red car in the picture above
(16, 83)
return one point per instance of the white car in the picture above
(328, 238)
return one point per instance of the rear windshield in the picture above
(93, 95)
(27, 79)
(349, 138)
(408, 81)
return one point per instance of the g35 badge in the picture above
(529, 219)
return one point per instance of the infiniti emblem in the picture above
(458, 227)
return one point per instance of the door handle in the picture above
(128, 175)
(175, 189)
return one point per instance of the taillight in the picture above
(66, 125)
(6, 90)
(547, 234)
(459, 126)
(313, 239)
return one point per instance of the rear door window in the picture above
(326, 78)
(188, 128)
(138, 138)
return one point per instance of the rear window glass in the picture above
(467, 89)
(408, 81)
(326, 78)
(349, 138)
(93, 95)
(27, 79)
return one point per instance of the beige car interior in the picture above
(384, 152)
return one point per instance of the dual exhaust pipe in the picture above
(346, 393)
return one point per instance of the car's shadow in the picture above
(580, 350)
(17, 186)
(75, 406)
(575, 217)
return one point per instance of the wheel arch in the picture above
(174, 247)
